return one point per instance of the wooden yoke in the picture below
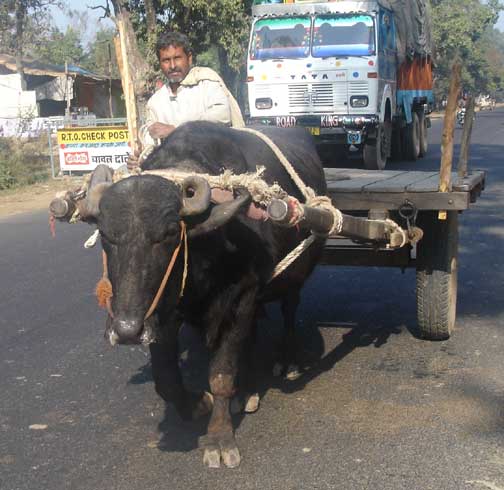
(449, 130)
(121, 49)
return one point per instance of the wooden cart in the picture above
(410, 198)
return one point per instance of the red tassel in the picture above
(103, 292)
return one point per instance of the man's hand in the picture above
(159, 130)
(133, 160)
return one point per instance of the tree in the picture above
(21, 21)
(101, 57)
(459, 27)
(59, 47)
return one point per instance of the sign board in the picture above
(85, 148)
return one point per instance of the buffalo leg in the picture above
(168, 381)
(288, 364)
(220, 441)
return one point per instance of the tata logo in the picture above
(309, 97)
(286, 121)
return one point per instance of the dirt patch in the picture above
(34, 197)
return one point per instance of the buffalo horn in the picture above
(223, 213)
(196, 194)
(101, 179)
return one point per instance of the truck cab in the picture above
(329, 66)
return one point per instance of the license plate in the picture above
(354, 137)
(314, 131)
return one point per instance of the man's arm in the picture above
(216, 103)
(153, 129)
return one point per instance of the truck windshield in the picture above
(281, 38)
(343, 35)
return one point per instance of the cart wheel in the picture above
(436, 277)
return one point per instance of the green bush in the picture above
(23, 161)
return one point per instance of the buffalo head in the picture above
(140, 220)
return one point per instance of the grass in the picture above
(24, 161)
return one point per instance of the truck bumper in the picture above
(330, 128)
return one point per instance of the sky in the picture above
(62, 21)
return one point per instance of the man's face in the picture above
(175, 63)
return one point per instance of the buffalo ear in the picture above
(101, 180)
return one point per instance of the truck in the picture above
(354, 73)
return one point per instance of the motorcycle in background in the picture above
(461, 116)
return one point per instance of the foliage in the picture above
(32, 18)
(59, 47)
(220, 25)
(23, 161)
(461, 30)
(101, 57)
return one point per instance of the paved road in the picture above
(378, 410)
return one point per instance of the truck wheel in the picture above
(436, 275)
(424, 142)
(396, 150)
(375, 152)
(411, 139)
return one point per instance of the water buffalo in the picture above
(231, 257)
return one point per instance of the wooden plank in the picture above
(359, 180)
(364, 201)
(400, 183)
(430, 184)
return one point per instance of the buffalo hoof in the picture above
(252, 404)
(211, 458)
(293, 372)
(219, 448)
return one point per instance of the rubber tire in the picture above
(411, 139)
(396, 149)
(424, 141)
(373, 152)
(436, 276)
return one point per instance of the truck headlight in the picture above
(359, 101)
(266, 103)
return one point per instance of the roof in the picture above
(35, 67)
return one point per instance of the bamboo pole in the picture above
(449, 130)
(127, 83)
(466, 138)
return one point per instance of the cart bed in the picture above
(363, 190)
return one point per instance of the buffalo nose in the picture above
(127, 330)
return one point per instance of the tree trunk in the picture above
(135, 69)
(150, 13)
(20, 8)
(229, 76)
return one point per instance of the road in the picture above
(378, 409)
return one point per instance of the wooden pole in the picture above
(466, 138)
(127, 83)
(449, 130)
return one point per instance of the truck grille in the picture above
(358, 88)
(317, 97)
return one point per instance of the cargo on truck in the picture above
(355, 73)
